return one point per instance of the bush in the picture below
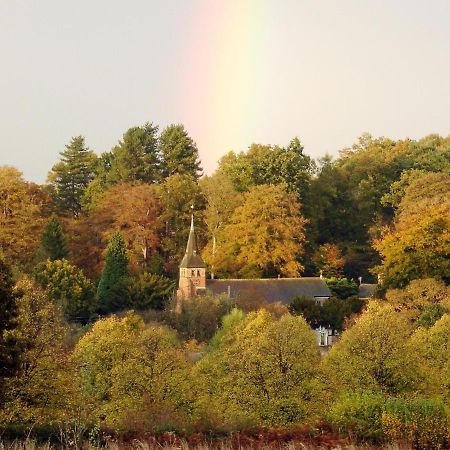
(421, 421)
(148, 291)
(359, 415)
(342, 288)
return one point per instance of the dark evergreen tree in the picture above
(178, 153)
(71, 175)
(135, 158)
(53, 241)
(8, 321)
(112, 291)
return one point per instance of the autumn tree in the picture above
(69, 288)
(417, 245)
(37, 394)
(431, 344)
(129, 370)
(265, 235)
(221, 201)
(422, 302)
(70, 177)
(21, 209)
(53, 241)
(135, 210)
(261, 371)
(373, 354)
(329, 261)
(178, 153)
(9, 350)
(112, 292)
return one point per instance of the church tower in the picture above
(192, 269)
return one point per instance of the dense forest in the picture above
(91, 347)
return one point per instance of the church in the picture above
(193, 282)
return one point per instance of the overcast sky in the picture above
(232, 71)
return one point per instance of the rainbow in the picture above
(224, 52)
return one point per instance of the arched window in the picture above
(198, 273)
(192, 273)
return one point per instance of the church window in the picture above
(198, 273)
(193, 273)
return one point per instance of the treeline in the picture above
(106, 233)
(129, 375)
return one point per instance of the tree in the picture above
(9, 350)
(418, 247)
(265, 235)
(149, 291)
(135, 158)
(112, 292)
(342, 288)
(373, 354)
(178, 194)
(70, 177)
(178, 152)
(221, 201)
(135, 210)
(133, 373)
(431, 344)
(262, 370)
(69, 288)
(329, 261)
(39, 391)
(22, 206)
(53, 241)
(422, 301)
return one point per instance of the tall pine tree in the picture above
(135, 158)
(112, 291)
(178, 153)
(53, 241)
(71, 175)
(8, 321)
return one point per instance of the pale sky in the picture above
(232, 71)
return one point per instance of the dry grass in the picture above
(184, 445)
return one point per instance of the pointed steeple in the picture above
(192, 258)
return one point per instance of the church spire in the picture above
(192, 258)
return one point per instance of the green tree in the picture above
(178, 153)
(69, 288)
(431, 344)
(70, 177)
(135, 158)
(53, 241)
(262, 371)
(9, 350)
(112, 291)
(178, 194)
(133, 373)
(149, 291)
(373, 354)
(265, 235)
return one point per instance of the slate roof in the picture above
(192, 258)
(367, 290)
(271, 289)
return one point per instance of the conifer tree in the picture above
(112, 291)
(53, 241)
(178, 152)
(8, 322)
(72, 174)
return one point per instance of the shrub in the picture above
(342, 288)
(359, 415)
(422, 421)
